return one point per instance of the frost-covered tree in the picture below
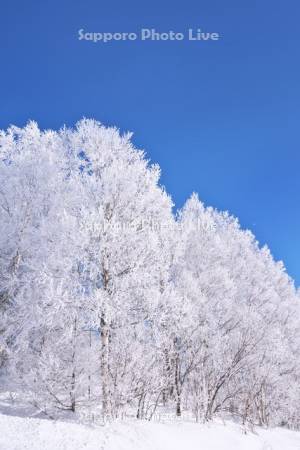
(97, 257)
(39, 250)
(243, 299)
(121, 222)
(111, 304)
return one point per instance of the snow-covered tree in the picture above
(111, 304)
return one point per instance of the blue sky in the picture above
(221, 118)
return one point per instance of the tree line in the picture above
(110, 302)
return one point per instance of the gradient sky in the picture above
(221, 118)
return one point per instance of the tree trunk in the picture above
(73, 376)
(168, 390)
(140, 411)
(105, 368)
(104, 332)
(177, 387)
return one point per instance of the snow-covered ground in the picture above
(17, 433)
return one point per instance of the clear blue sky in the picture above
(221, 118)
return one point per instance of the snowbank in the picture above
(36, 434)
